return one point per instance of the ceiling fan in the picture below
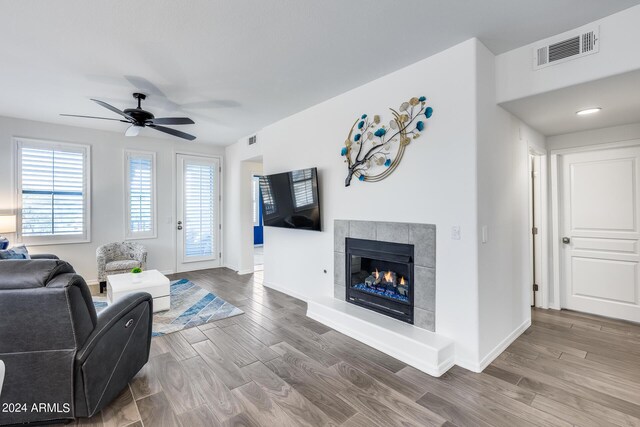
(139, 118)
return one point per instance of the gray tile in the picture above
(339, 292)
(397, 232)
(424, 291)
(423, 237)
(362, 230)
(340, 232)
(424, 319)
(338, 268)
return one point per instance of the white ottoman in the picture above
(151, 281)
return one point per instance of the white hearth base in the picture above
(424, 350)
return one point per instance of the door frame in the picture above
(555, 161)
(174, 199)
(542, 299)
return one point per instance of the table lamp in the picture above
(7, 225)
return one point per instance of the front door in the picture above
(600, 214)
(198, 208)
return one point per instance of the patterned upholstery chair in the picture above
(118, 258)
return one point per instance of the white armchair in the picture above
(119, 257)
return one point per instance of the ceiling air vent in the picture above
(252, 140)
(564, 50)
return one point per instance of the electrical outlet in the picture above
(455, 232)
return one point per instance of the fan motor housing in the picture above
(139, 114)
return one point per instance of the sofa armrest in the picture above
(114, 353)
(44, 256)
(139, 253)
(101, 261)
(112, 316)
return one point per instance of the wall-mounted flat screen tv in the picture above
(290, 200)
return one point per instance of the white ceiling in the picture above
(554, 113)
(236, 66)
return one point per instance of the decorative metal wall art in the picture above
(373, 151)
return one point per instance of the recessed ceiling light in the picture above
(588, 111)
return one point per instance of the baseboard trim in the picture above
(497, 350)
(243, 272)
(287, 291)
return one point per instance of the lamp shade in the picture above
(7, 224)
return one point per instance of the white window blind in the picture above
(199, 209)
(140, 202)
(302, 188)
(53, 192)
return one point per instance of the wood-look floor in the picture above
(275, 367)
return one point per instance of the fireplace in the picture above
(379, 276)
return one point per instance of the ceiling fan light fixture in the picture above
(139, 118)
(587, 111)
(133, 130)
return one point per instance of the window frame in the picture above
(153, 234)
(85, 237)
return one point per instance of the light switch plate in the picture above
(485, 234)
(455, 232)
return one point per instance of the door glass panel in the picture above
(199, 210)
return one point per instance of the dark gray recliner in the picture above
(57, 353)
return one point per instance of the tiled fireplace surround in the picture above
(422, 236)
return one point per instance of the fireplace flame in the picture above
(387, 276)
(402, 280)
(377, 274)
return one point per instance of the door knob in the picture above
(179, 225)
(566, 240)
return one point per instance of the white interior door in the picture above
(198, 209)
(599, 212)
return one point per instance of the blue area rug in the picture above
(190, 306)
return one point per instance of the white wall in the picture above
(237, 252)
(469, 168)
(434, 184)
(107, 168)
(619, 33)
(503, 207)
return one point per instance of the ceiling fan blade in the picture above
(133, 130)
(94, 117)
(171, 121)
(173, 132)
(114, 109)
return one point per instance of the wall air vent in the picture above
(252, 140)
(560, 51)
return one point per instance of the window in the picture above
(53, 192)
(302, 189)
(140, 203)
(199, 208)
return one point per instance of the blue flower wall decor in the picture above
(373, 150)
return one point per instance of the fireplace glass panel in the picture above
(383, 278)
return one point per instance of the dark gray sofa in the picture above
(62, 360)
